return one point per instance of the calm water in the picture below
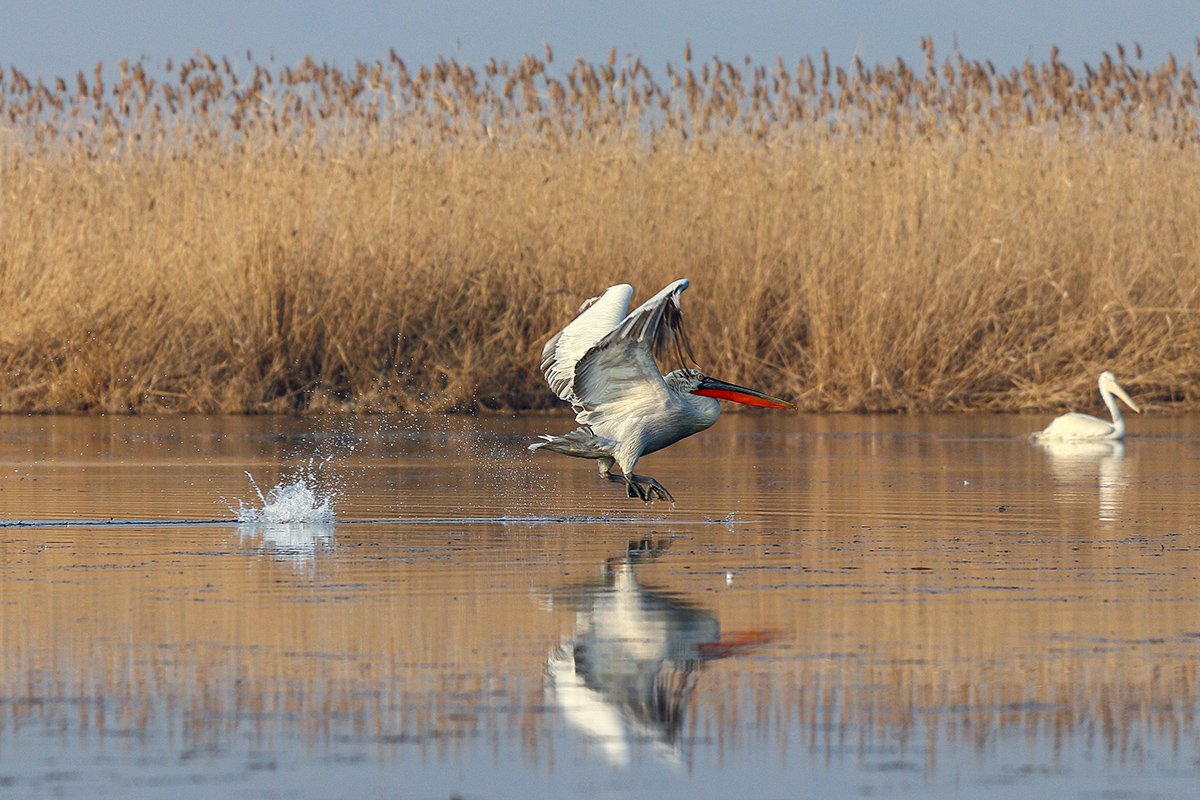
(836, 607)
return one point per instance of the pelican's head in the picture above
(1108, 385)
(693, 381)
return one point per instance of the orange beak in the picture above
(711, 387)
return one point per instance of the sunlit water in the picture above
(836, 606)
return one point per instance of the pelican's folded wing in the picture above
(620, 369)
(596, 319)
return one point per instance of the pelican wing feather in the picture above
(620, 368)
(655, 322)
(597, 317)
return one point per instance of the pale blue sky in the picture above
(59, 38)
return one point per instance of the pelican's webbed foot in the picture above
(649, 489)
(642, 487)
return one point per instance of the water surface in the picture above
(836, 607)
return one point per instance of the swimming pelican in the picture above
(1074, 426)
(603, 364)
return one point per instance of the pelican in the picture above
(603, 364)
(1076, 427)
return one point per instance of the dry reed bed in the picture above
(947, 237)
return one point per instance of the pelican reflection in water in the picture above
(1079, 466)
(628, 671)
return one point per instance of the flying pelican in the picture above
(1074, 426)
(603, 364)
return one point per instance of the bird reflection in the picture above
(1077, 466)
(629, 670)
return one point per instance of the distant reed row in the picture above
(223, 236)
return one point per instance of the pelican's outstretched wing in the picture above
(597, 317)
(655, 322)
(620, 368)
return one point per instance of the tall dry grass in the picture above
(949, 236)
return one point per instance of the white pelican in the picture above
(1075, 427)
(603, 364)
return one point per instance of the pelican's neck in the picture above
(705, 410)
(1118, 422)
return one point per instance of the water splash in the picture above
(293, 522)
(296, 500)
(729, 521)
(504, 463)
(307, 493)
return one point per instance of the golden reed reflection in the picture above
(437, 640)
(924, 593)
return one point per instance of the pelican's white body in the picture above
(1075, 427)
(603, 364)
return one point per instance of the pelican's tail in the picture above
(580, 443)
